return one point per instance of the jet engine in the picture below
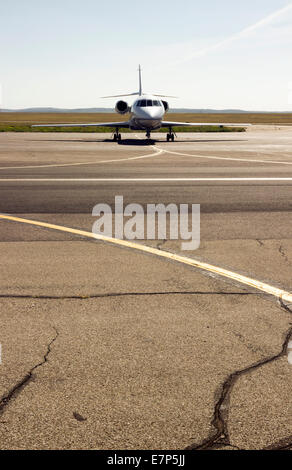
(122, 107)
(166, 105)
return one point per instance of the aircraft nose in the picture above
(152, 113)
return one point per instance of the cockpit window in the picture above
(146, 103)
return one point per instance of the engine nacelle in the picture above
(122, 107)
(166, 105)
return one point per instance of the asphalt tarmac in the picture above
(108, 347)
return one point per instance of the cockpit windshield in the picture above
(146, 103)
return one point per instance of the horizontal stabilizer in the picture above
(120, 96)
(164, 96)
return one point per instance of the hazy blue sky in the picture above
(68, 53)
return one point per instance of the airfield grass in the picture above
(21, 122)
(236, 118)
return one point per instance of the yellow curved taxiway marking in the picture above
(55, 165)
(261, 286)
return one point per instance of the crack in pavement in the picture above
(19, 386)
(283, 254)
(220, 438)
(120, 294)
(220, 415)
(283, 444)
(226, 447)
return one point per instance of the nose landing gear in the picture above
(148, 136)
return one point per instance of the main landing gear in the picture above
(170, 136)
(117, 136)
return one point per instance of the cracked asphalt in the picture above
(108, 348)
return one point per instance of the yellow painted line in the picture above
(247, 281)
(55, 165)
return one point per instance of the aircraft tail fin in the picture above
(140, 80)
(140, 92)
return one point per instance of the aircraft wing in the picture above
(124, 124)
(192, 124)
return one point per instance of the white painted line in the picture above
(142, 180)
(158, 151)
(273, 162)
(53, 165)
(247, 281)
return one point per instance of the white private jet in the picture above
(146, 113)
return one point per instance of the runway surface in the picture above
(106, 346)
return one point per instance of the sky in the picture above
(219, 54)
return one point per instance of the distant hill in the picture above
(111, 110)
(58, 110)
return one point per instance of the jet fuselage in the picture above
(146, 113)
